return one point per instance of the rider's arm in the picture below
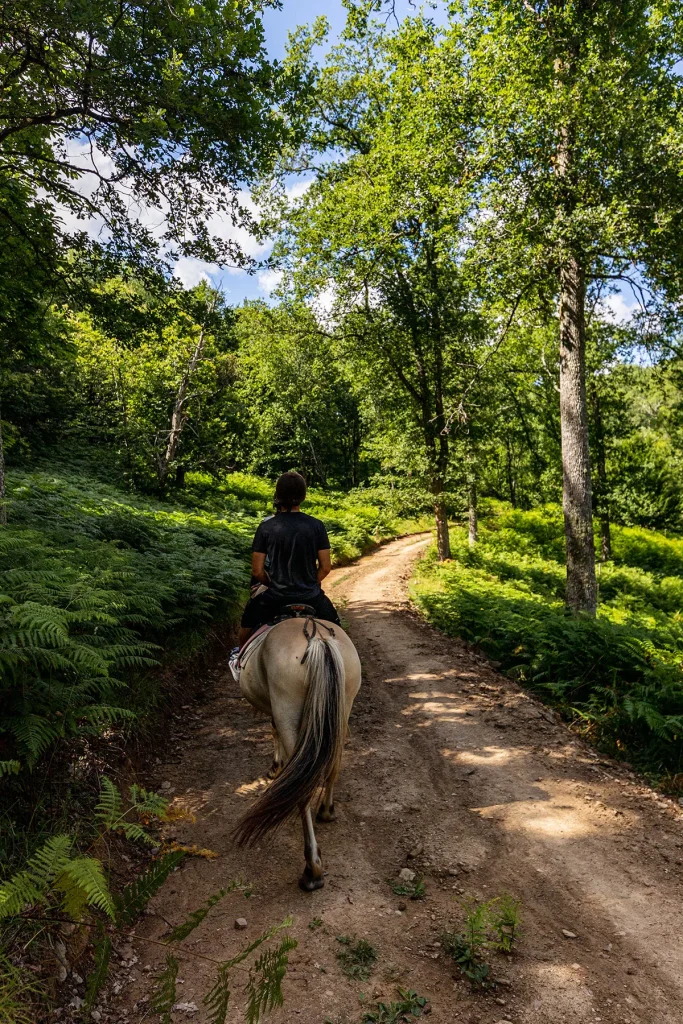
(324, 564)
(258, 567)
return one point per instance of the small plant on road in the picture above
(407, 1008)
(414, 890)
(317, 922)
(356, 959)
(506, 921)
(491, 925)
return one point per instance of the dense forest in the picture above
(476, 227)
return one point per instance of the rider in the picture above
(298, 553)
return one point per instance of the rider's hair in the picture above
(290, 490)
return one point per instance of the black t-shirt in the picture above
(292, 540)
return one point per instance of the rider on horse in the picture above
(296, 550)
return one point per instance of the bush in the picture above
(617, 678)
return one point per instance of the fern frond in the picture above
(216, 1001)
(100, 971)
(9, 768)
(136, 833)
(264, 988)
(84, 875)
(193, 921)
(165, 993)
(32, 885)
(271, 933)
(147, 802)
(136, 895)
(108, 808)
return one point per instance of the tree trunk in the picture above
(576, 472)
(602, 500)
(179, 414)
(472, 514)
(510, 475)
(3, 507)
(443, 540)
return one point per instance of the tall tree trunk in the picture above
(510, 474)
(179, 414)
(602, 500)
(3, 507)
(576, 470)
(443, 540)
(472, 513)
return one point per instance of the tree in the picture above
(137, 114)
(154, 105)
(157, 386)
(384, 226)
(582, 101)
(303, 410)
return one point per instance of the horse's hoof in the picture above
(308, 883)
(326, 816)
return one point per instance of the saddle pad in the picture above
(253, 644)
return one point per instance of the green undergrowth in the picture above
(97, 586)
(618, 678)
(355, 521)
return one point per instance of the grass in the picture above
(357, 959)
(618, 678)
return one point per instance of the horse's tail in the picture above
(316, 759)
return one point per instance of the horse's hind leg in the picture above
(312, 877)
(278, 755)
(326, 809)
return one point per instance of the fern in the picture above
(165, 993)
(264, 989)
(9, 768)
(136, 895)
(193, 921)
(112, 817)
(100, 971)
(217, 999)
(108, 809)
(82, 882)
(52, 870)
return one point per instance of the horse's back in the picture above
(284, 649)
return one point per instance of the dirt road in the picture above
(453, 762)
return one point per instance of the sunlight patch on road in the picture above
(543, 819)
(486, 755)
(249, 788)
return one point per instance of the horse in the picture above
(305, 675)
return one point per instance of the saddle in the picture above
(288, 611)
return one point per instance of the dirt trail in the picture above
(447, 754)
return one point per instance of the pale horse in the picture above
(305, 676)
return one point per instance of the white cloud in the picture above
(268, 281)
(618, 309)
(298, 189)
(191, 272)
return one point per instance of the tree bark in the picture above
(179, 414)
(602, 500)
(3, 507)
(443, 540)
(581, 593)
(472, 514)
